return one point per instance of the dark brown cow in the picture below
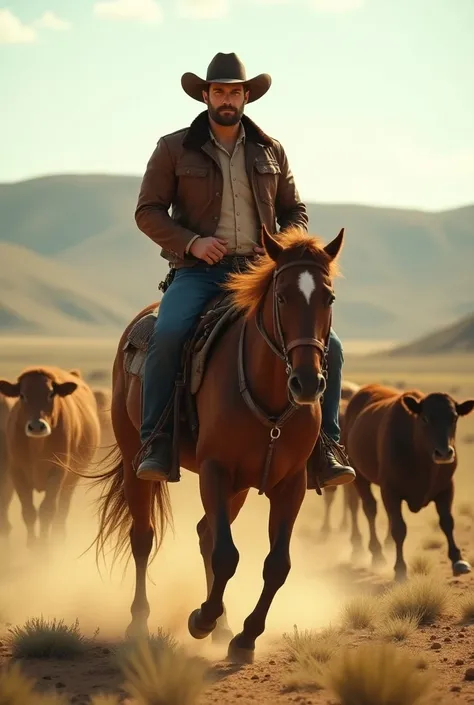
(348, 389)
(405, 443)
(53, 422)
(6, 484)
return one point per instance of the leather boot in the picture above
(156, 462)
(329, 465)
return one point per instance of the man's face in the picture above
(226, 102)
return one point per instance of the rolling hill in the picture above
(456, 338)
(405, 272)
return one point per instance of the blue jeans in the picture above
(181, 305)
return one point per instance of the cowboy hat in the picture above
(226, 68)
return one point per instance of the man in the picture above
(224, 178)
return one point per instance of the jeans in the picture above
(181, 305)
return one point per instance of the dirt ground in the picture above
(67, 584)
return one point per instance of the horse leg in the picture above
(444, 503)
(138, 495)
(222, 633)
(353, 499)
(28, 509)
(370, 508)
(393, 506)
(329, 496)
(285, 502)
(216, 495)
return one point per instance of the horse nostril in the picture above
(295, 386)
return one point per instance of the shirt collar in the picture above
(240, 137)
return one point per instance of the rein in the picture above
(274, 423)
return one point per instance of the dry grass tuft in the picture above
(398, 628)
(310, 645)
(421, 565)
(466, 608)
(421, 599)
(361, 612)
(16, 689)
(163, 639)
(167, 676)
(432, 543)
(308, 650)
(422, 663)
(39, 638)
(380, 674)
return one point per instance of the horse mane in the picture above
(248, 288)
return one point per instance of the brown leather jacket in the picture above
(184, 172)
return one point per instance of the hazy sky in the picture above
(373, 100)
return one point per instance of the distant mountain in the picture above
(456, 338)
(405, 271)
(44, 297)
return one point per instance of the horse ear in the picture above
(8, 389)
(465, 407)
(333, 248)
(411, 404)
(272, 247)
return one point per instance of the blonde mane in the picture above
(248, 288)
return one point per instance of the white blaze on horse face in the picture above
(306, 285)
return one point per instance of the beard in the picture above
(221, 118)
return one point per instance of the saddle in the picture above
(211, 325)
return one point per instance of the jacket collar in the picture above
(198, 132)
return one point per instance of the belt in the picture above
(235, 261)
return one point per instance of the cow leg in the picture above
(222, 633)
(48, 506)
(356, 536)
(329, 495)
(444, 503)
(62, 512)
(6, 494)
(393, 506)
(370, 508)
(28, 509)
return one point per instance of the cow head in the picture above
(437, 416)
(37, 393)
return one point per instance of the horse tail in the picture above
(115, 518)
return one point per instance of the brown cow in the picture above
(348, 389)
(53, 421)
(405, 443)
(6, 484)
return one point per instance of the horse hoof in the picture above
(135, 632)
(237, 654)
(461, 568)
(196, 630)
(400, 577)
(222, 636)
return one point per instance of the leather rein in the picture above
(282, 350)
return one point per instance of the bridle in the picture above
(282, 350)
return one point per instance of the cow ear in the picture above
(411, 404)
(465, 407)
(64, 389)
(8, 389)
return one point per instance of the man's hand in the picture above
(259, 250)
(209, 249)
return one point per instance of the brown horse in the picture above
(405, 443)
(259, 415)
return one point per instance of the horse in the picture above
(53, 420)
(259, 419)
(405, 443)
